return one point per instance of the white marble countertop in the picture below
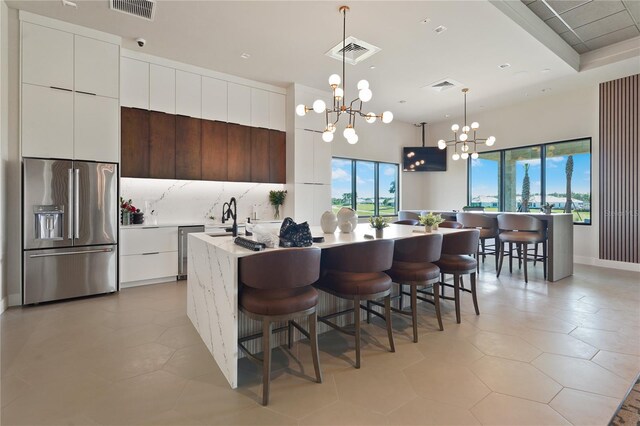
(338, 238)
(206, 224)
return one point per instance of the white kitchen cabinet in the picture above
(239, 104)
(47, 122)
(259, 108)
(311, 200)
(148, 254)
(96, 128)
(47, 56)
(277, 111)
(96, 67)
(134, 83)
(214, 99)
(188, 94)
(312, 158)
(162, 89)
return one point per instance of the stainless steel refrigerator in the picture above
(70, 229)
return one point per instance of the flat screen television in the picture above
(424, 159)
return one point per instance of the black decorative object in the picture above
(295, 234)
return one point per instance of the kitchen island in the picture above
(212, 289)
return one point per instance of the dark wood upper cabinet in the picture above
(277, 156)
(162, 145)
(134, 139)
(238, 153)
(214, 150)
(188, 148)
(259, 155)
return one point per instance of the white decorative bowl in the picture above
(347, 219)
(329, 222)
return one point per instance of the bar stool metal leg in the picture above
(436, 303)
(356, 319)
(456, 295)
(313, 337)
(267, 327)
(387, 315)
(501, 258)
(414, 312)
(473, 293)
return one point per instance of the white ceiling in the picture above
(287, 42)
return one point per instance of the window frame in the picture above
(543, 173)
(376, 190)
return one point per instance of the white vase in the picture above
(329, 222)
(346, 216)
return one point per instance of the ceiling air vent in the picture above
(355, 51)
(442, 85)
(144, 9)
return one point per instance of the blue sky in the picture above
(485, 175)
(365, 178)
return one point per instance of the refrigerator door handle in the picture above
(76, 203)
(68, 253)
(70, 206)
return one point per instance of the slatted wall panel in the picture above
(619, 176)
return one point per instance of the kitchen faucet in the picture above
(231, 214)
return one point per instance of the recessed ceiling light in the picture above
(69, 3)
(547, 89)
(245, 56)
(546, 70)
(504, 66)
(447, 115)
(372, 67)
(440, 29)
(402, 101)
(425, 20)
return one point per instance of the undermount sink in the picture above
(228, 234)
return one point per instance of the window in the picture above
(368, 187)
(524, 179)
(569, 162)
(484, 190)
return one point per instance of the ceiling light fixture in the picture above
(339, 107)
(245, 56)
(440, 29)
(461, 137)
(69, 3)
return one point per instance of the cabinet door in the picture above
(214, 99)
(134, 83)
(188, 94)
(162, 145)
(304, 195)
(277, 111)
(147, 267)
(259, 108)
(277, 157)
(321, 202)
(148, 240)
(321, 160)
(134, 140)
(188, 148)
(214, 150)
(238, 153)
(259, 155)
(96, 127)
(97, 67)
(239, 104)
(303, 156)
(47, 56)
(47, 122)
(162, 89)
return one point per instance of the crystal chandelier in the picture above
(467, 144)
(340, 107)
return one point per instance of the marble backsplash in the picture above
(184, 201)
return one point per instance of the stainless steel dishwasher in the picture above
(183, 240)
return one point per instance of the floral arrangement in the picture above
(276, 199)
(431, 219)
(127, 207)
(378, 222)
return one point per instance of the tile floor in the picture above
(555, 353)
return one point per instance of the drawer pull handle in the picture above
(86, 93)
(153, 252)
(61, 88)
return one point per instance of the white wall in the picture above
(558, 117)
(185, 201)
(4, 145)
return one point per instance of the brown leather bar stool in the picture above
(412, 222)
(456, 259)
(276, 286)
(356, 272)
(521, 230)
(488, 227)
(412, 265)
(451, 224)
